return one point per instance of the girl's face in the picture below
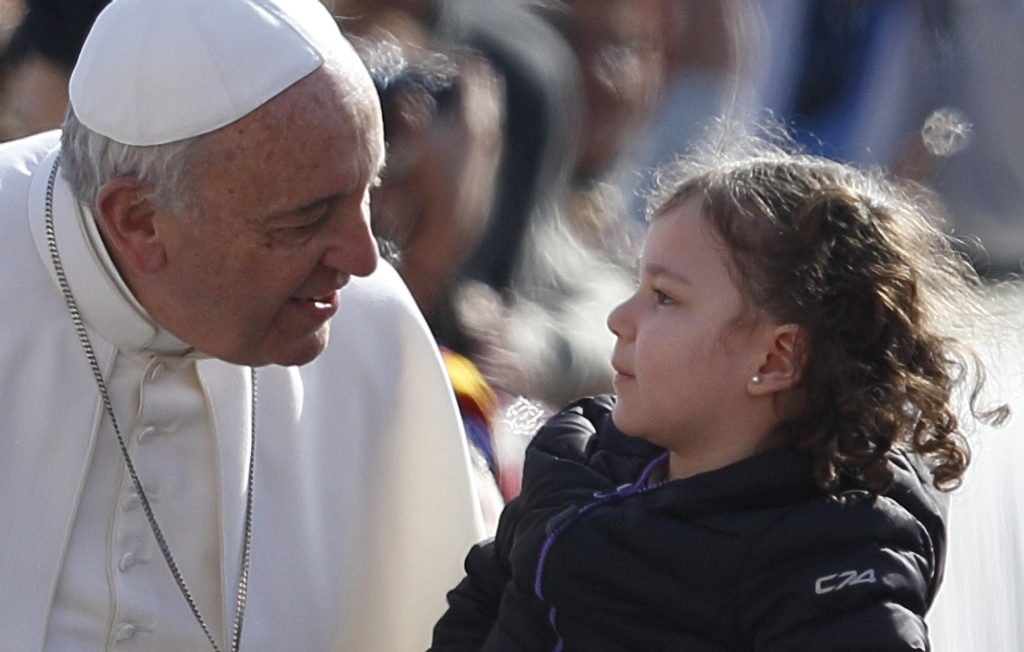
(683, 359)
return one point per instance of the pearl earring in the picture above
(756, 379)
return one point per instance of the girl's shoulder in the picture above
(849, 564)
(584, 435)
(912, 513)
(853, 538)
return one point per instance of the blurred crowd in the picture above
(521, 135)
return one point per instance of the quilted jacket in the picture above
(593, 555)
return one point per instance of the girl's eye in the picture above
(662, 299)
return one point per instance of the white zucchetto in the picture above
(158, 71)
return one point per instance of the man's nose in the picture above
(352, 248)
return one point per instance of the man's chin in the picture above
(289, 352)
(305, 351)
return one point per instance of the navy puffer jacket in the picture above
(593, 556)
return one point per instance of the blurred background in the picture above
(522, 135)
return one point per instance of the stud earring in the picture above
(756, 379)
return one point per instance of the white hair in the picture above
(89, 160)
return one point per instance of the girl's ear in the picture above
(783, 365)
(126, 217)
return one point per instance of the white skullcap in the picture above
(157, 71)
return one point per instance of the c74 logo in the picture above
(839, 581)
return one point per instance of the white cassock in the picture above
(364, 505)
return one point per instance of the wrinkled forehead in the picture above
(333, 113)
(351, 97)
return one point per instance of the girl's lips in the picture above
(618, 369)
(621, 378)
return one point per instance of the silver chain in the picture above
(83, 336)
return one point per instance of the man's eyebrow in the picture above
(308, 207)
(316, 203)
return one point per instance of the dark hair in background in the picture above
(432, 73)
(858, 262)
(55, 29)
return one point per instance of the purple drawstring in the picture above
(551, 620)
(639, 485)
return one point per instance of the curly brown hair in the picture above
(859, 263)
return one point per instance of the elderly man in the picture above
(203, 213)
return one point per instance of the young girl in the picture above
(786, 377)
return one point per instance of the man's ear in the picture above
(783, 364)
(126, 217)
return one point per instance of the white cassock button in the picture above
(130, 502)
(155, 372)
(147, 433)
(125, 631)
(128, 560)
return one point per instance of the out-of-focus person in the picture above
(706, 74)
(443, 111)
(541, 109)
(927, 89)
(36, 61)
(577, 259)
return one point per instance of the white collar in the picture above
(104, 300)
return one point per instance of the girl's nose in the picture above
(618, 319)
